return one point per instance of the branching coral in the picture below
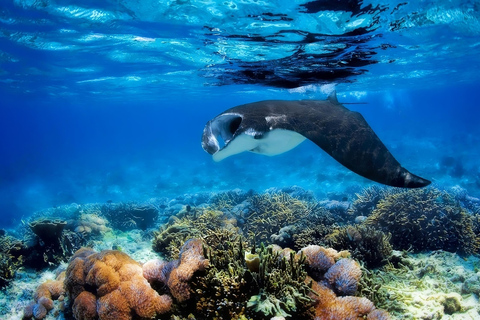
(116, 283)
(198, 223)
(268, 213)
(282, 290)
(368, 199)
(127, 216)
(425, 219)
(365, 243)
(11, 258)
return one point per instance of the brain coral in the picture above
(116, 283)
(425, 219)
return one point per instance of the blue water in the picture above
(107, 100)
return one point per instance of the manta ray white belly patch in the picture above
(272, 143)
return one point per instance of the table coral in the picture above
(116, 282)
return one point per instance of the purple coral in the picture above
(343, 276)
(319, 259)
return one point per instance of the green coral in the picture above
(268, 213)
(11, 258)
(365, 244)
(282, 287)
(368, 199)
(130, 215)
(192, 224)
(425, 219)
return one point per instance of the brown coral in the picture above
(191, 260)
(43, 298)
(116, 283)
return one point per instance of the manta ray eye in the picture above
(235, 124)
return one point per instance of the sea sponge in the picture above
(191, 261)
(343, 276)
(116, 283)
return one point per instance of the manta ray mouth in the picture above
(220, 131)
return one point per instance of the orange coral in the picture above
(85, 306)
(191, 260)
(116, 283)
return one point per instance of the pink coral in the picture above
(154, 270)
(116, 283)
(343, 276)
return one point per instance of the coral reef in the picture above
(192, 224)
(368, 199)
(320, 259)
(128, 216)
(365, 243)
(11, 258)
(117, 285)
(424, 286)
(269, 213)
(425, 219)
(52, 243)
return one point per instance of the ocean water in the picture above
(106, 101)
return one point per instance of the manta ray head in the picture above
(228, 134)
(220, 131)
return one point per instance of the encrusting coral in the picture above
(112, 282)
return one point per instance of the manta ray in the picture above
(273, 127)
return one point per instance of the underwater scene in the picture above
(239, 159)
